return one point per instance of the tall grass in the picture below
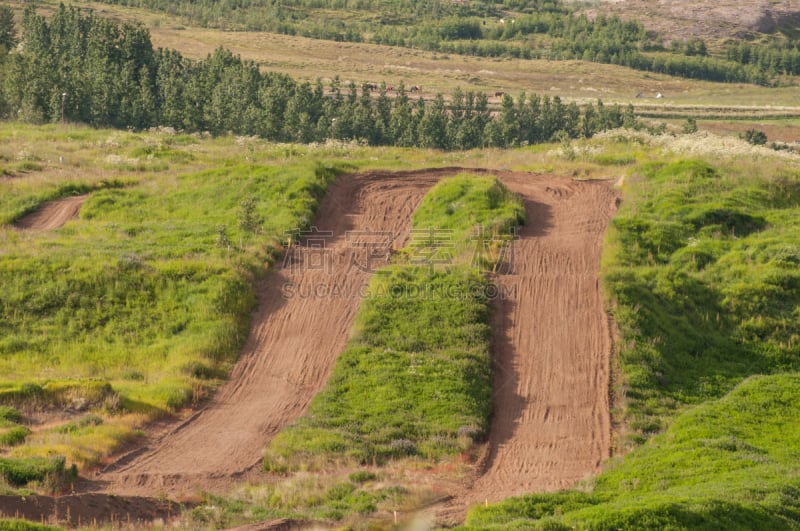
(415, 380)
(705, 282)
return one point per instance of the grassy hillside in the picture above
(701, 263)
(139, 307)
(542, 29)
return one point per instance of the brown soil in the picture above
(53, 214)
(87, 509)
(552, 346)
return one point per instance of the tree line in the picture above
(540, 29)
(83, 68)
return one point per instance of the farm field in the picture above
(594, 328)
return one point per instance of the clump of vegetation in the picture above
(14, 435)
(755, 137)
(20, 472)
(305, 497)
(9, 415)
(416, 378)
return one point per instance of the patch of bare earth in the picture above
(53, 214)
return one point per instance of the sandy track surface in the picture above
(53, 214)
(552, 346)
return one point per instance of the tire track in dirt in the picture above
(52, 214)
(551, 349)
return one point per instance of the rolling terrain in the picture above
(643, 352)
(294, 342)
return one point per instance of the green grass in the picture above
(141, 281)
(702, 265)
(20, 472)
(327, 498)
(23, 525)
(731, 463)
(415, 380)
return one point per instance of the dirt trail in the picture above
(296, 335)
(552, 346)
(53, 214)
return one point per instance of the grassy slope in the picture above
(705, 276)
(701, 262)
(138, 293)
(406, 385)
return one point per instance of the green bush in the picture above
(20, 472)
(13, 436)
(10, 415)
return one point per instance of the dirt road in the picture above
(552, 345)
(53, 214)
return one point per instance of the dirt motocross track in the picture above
(552, 345)
(53, 214)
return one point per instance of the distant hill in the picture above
(683, 19)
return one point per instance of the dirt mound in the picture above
(552, 345)
(88, 509)
(53, 214)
